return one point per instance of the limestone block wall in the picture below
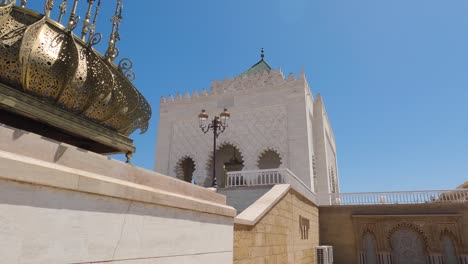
(343, 227)
(48, 225)
(60, 204)
(287, 233)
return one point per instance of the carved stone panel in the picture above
(411, 238)
(251, 132)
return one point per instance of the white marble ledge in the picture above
(29, 170)
(38, 147)
(259, 208)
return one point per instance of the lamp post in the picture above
(217, 125)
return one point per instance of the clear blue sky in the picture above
(393, 74)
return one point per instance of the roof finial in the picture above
(262, 55)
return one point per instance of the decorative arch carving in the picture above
(368, 228)
(451, 232)
(369, 247)
(231, 142)
(228, 158)
(411, 226)
(181, 168)
(260, 151)
(223, 144)
(450, 248)
(261, 158)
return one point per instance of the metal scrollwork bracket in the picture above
(94, 39)
(125, 66)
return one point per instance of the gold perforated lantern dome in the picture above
(54, 83)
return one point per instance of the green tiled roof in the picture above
(260, 67)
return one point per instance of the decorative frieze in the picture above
(427, 230)
(266, 80)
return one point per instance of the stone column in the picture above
(463, 259)
(385, 257)
(436, 258)
(362, 258)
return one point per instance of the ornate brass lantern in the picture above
(54, 83)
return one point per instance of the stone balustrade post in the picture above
(436, 258)
(385, 258)
(362, 259)
(463, 259)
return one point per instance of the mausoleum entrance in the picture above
(228, 158)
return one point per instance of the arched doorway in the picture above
(269, 159)
(369, 245)
(448, 248)
(185, 169)
(408, 247)
(228, 158)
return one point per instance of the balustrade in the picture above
(405, 197)
(256, 177)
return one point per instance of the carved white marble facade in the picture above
(409, 239)
(268, 112)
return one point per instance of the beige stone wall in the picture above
(339, 224)
(276, 238)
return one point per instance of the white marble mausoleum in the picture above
(276, 123)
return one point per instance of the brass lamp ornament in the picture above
(217, 125)
(54, 83)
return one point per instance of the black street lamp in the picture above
(218, 125)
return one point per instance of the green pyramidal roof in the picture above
(260, 67)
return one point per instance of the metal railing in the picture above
(403, 197)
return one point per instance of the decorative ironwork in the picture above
(92, 28)
(49, 4)
(112, 52)
(73, 21)
(85, 28)
(217, 125)
(94, 39)
(125, 66)
(43, 60)
(63, 10)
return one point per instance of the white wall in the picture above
(61, 204)
(242, 197)
(267, 111)
(49, 225)
(325, 147)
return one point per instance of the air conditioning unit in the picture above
(324, 254)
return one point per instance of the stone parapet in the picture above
(37, 147)
(239, 84)
(19, 168)
(61, 204)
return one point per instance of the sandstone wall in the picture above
(277, 237)
(340, 225)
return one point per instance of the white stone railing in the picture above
(403, 197)
(255, 177)
(269, 177)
